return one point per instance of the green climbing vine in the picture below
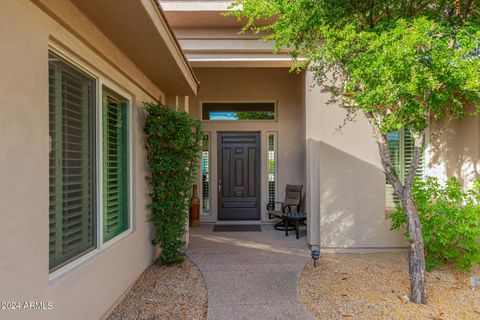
(173, 142)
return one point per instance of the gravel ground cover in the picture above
(373, 286)
(165, 292)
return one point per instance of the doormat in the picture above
(237, 228)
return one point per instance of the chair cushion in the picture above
(275, 213)
(293, 194)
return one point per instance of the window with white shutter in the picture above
(84, 214)
(206, 174)
(272, 166)
(401, 145)
(72, 162)
(115, 187)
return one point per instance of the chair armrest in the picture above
(271, 205)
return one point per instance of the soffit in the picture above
(200, 14)
(211, 39)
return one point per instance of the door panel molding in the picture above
(239, 170)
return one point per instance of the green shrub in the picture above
(450, 218)
(173, 142)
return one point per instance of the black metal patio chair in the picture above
(293, 198)
(295, 216)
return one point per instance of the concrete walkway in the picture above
(250, 275)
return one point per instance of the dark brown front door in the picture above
(238, 175)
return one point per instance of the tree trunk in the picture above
(416, 256)
(416, 253)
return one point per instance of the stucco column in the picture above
(313, 192)
(312, 165)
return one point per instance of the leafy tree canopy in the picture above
(400, 62)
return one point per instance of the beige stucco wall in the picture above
(258, 84)
(87, 291)
(454, 150)
(347, 200)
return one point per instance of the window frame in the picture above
(275, 167)
(425, 159)
(128, 100)
(100, 82)
(95, 169)
(274, 102)
(209, 213)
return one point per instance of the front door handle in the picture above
(219, 186)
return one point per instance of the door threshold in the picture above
(238, 222)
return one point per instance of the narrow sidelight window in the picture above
(115, 172)
(72, 162)
(206, 174)
(402, 145)
(272, 166)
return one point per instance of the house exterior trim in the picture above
(156, 53)
(170, 38)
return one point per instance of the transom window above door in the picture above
(238, 111)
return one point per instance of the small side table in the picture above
(296, 218)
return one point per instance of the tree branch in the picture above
(417, 156)
(387, 164)
(468, 7)
(420, 7)
(370, 18)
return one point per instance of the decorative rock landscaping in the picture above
(165, 292)
(376, 286)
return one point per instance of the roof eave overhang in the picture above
(139, 29)
(183, 61)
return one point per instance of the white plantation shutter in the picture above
(394, 143)
(206, 174)
(71, 169)
(409, 148)
(272, 166)
(402, 146)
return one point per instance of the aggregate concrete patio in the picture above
(250, 275)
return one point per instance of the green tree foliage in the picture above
(255, 115)
(173, 142)
(450, 218)
(401, 63)
(397, 61)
